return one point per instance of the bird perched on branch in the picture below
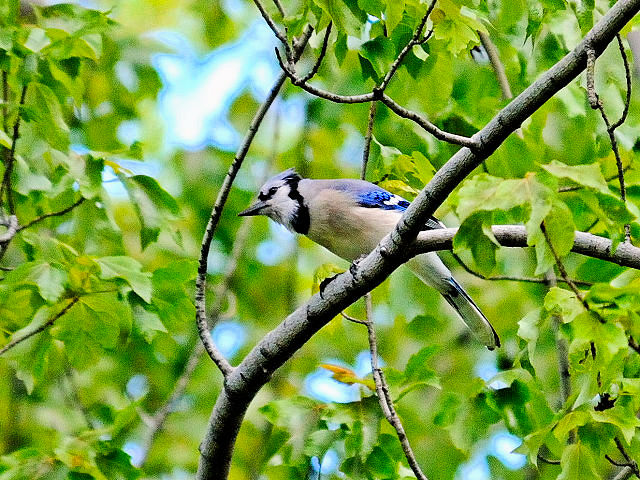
(349, 218)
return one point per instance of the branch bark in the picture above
(280, 344)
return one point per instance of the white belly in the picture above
(351, 236)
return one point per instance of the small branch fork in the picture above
(565, 276)
(631, 466)
(41, 328)
(378, 92)
(596, 104)
(382, 390)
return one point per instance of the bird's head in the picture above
(280, 200)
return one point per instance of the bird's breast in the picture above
(348, 230)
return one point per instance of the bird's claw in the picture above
(353, 268)
(324, 283)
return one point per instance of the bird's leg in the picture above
(325, 282)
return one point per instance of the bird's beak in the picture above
(253, 209)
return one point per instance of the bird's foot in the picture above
(353, 268)
(324, 283)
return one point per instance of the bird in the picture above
(349, 217)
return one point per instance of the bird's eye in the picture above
(272, 191)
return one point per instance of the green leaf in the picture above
(417, 369)
(380, 53)
(147, 322)
(50, 119)
(380, 464)
(129, 270)
(483, 248)
(577, 462)
(587, 175)
(153, 205)
(341, 48)
(156, 193)
(346, 15)
(393, 14)
(49, 280)
(36, 40)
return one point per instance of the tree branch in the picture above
(282, 342)
(5, 100)
(323, 51)
(201, 280)
(511, 278)
(41, 328)
(497, 65)
(367, 140)
(596, 104)
(64, 211)
(416, 39)
(378, 91)
(6, 180)
(384, 398)
(274, 28)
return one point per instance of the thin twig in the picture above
(157, 421)
(5, 100)
(378, 94)
(565, 276)
(548, 461)
(367, 140)
(6, 180)
(511, 278)
(497, 65)
(627, 74)
(274, 28)
(279, 7)
(41, 328)
(201, 280)
(353, 319)
(591, 89)
(596, 104)
(631, 463)
(75, 398)
(323, 51)
(386, 403)
(416, 39)
(624, 474)
(562, 354)
(382, 389)
(633, 344)
(614, 462)
(52, 214)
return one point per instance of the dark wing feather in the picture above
(369, 195)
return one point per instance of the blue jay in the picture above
(349, 218)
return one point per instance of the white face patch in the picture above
(282, 208)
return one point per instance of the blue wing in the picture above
(380, 198)
(369, 195)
